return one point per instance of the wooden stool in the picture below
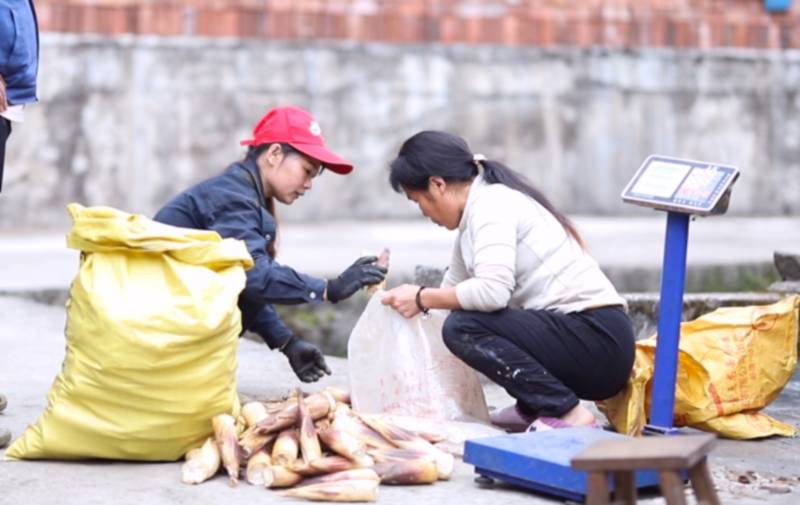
(666, 454)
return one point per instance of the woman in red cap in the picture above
(530, 309)
(286, 153)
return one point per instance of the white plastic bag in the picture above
(401, 366)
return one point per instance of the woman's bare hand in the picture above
(403, 299)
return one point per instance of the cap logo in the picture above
(314, 128)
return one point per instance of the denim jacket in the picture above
(233, 205)
(19, 50)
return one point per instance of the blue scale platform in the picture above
(541, 461)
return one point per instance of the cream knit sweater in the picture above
(511, 252)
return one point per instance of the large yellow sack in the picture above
(152, 332)
(732, 363)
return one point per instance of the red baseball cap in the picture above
(299, 129)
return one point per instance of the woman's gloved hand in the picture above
(306, 360)
(361, 273)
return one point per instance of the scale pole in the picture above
(669, 319)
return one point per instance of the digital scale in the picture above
(541, 461)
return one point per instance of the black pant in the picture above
(5, 131)
(545, 359)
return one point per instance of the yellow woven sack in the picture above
(732, 363)
(152, 333)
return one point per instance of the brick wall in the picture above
(607, 23)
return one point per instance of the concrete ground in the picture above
(32, 348)
(31, 338)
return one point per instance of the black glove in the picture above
(361, 273)
(307, 361)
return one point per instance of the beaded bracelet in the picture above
(419, 301)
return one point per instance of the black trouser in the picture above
(5, 131)
(545, 359)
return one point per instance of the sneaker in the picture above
(511, 419)
(545, 423)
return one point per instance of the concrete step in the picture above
(723, 251)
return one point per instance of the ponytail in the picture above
(495, 172)
(439, 154)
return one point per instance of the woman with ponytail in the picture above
(530, 309)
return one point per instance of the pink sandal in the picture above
(545, 423)
(511, 419)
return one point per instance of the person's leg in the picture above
(5, 131)
(544, 359)
(612, 347)
(495, 344)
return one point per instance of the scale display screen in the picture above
(692, 187)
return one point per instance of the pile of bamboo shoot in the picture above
(316, 447)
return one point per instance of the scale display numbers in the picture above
(688, 186)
